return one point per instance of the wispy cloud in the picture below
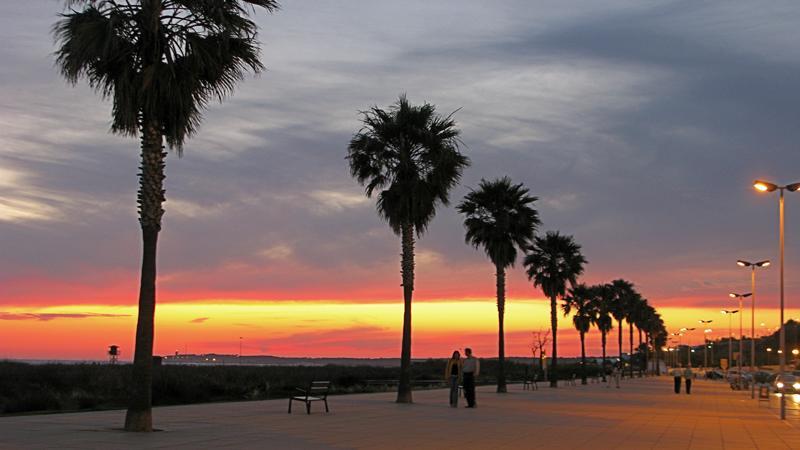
(44, 317)
(199, 320)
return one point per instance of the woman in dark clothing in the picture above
(453, 376)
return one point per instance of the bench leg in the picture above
(326, 405)
(308, 407)
(290, 405)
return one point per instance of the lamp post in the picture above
(741, 333)
(729, 313)
(765, 186)
(678, 348)
(769, 352)
(752, 266)
(689, 346)
(705, 344)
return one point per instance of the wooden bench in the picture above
(317, 392)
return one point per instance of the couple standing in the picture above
(464, 370)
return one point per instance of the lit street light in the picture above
(741, 333)
(752, 266)
(765, 186)
(689, 344)
(729, 313)
(705, 341)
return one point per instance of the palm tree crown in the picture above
(499, 218)
(553, 262)
(580, 300)
(159, 60)
(412, 154)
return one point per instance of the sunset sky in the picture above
(639, 125)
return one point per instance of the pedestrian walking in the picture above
(677, 374)
(470, 370)
(616, 374)
(452, 374)
(687, 376)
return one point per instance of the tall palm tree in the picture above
(603, 296)
(632, 312)
(623, 291)
(580, 299)
(553, 261)
(499, 217)
(410, 154)
(160, 62)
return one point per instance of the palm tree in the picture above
(632, 312)
(160, 62)
(580, 299)
(602, 298)
(411, 155)
(623, 290)
(499, 217)
(554, 261)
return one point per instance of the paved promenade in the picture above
(642, 414)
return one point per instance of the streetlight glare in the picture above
(763, 263)
(764, 186)
(742, 263)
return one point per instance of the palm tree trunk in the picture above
(603, 340)
(641, 369)
(583, 358)
(619, 328)
(151, 198)
(658, 360)
(554, 353)
(630, 330)
(407, 266)
(501, 349)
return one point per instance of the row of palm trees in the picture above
(161, 62)
(602, 304)
(409, 156)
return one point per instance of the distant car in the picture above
(786, 383)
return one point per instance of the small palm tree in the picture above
(580, 299)
(602, 297)
(410, 154)
(160, 62)
(499, 217)
(553, 262)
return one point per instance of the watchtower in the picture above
(113, 353)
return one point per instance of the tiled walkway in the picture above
(642, 414)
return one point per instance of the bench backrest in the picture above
(319, 388)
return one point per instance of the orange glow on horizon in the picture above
(317, 329)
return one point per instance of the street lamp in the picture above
(741, 334)
(705, 343)
(729, 313)
(769, 352)
(765, 186)
(689, 346)
(752, 266)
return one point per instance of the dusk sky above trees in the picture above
(640, 128)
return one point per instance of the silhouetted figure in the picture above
(677, 374)
(470, 370)
(616, 374)
(453, 375)
(688, 375)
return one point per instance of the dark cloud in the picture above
(199, 320)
